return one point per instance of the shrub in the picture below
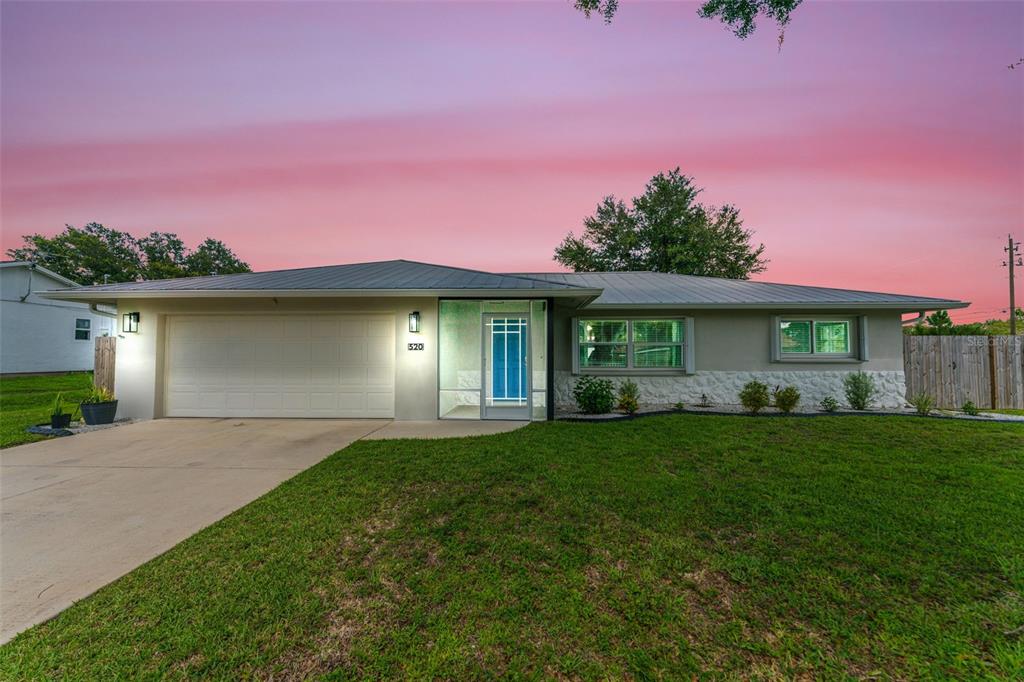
(754, 397)
(860, 390)
(98, 394)
(57, 409)
(593, 395)
(787, 398)
(680, 405)
(923, 403)
(629, 397)
(970, 409)
(829, 404)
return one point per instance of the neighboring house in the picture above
(416, 341)
(40, 334)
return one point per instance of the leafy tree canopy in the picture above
(664, 230)
(95, 254)
(739, 15)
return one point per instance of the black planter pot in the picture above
(99, 413)
(60, 421)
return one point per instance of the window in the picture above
(631, 344)
(658, 343)
(814, 337)
(82, 329)
(603, 343)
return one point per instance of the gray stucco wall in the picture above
(732, 347)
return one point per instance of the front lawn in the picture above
(25, 401)
(659, 548)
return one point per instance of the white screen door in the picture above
(506, 370)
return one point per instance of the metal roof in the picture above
(656, 289)
(395, 276)
(593, 289)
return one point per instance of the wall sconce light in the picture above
(414, 322)
(130, 323)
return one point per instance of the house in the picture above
(40, 334)
(411, 340)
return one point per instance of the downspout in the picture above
(28, 292)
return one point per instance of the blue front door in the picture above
(506, 367)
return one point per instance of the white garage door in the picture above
(280, 366)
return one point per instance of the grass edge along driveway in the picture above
(653, 549)
(25, 401)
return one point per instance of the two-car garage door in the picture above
(280, 366)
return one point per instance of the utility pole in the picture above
(1013, 258)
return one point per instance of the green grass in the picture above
(25, 401)
(1019, 413)
(659, 548)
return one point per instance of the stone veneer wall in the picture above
(723, 388)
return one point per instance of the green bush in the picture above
(57, 407)
(680, 406)
(970, 409)
(593, 395)
(629, 397)
(787, 399)
(829, 404)
(98, 394)
(860, 390)
(754, 397)
(923, 403)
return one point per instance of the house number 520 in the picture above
(415, 346)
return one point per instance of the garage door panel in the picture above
(325, 352)
(280, 366)
(325, 376)
(268, 351)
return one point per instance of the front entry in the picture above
(506, 372)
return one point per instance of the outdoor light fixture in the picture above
(130, 323)
(414, 322)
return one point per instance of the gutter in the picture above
(94, 309)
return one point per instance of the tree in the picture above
(940, 320)
(88, 255)
(665, 230)
(164, 256)
(95, 254)
(739, 15)
(213, 257)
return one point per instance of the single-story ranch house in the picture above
(411, 340)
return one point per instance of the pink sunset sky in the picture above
(882, 148)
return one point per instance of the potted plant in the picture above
(99, 407)
(59, 419)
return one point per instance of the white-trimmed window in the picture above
(815, 337)
(624, 344)
(82, 329)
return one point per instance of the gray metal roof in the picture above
(669, 290)
(600, 289)
(383, 275)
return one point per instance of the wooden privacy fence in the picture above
(103, 362)
(987, 370)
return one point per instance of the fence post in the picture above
(103, 362)
(993, 388)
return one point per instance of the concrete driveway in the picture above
(79, 512)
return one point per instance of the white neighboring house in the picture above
(45, 335)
